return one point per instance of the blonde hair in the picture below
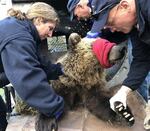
(36, 10)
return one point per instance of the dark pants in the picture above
(3, 120)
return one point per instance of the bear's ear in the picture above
(73, 40)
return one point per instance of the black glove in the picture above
(62, 68)
(44, 123)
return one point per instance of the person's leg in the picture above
(143, 90)
(148, 79)
(3, 120)
(147, 112)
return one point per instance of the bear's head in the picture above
(80, 65)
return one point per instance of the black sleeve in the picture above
(140, 65)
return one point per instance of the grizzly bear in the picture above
(83, 83)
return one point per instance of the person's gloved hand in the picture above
(120, 96)
(59, 114)
(92, 34)
(118, 104)
(61, 67)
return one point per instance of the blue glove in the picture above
(92, 34)
(59, 114)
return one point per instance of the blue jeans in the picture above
(144, 88)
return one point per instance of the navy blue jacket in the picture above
(22, 64)
(140, 38)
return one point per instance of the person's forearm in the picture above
(139, 66)
(136, 75)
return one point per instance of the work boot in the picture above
(117, 52)
(147, 118)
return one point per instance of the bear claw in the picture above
(124, 112)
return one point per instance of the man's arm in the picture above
(140, 65)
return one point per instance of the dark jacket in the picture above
(140, 38)
(20, 57)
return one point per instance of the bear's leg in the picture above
(70, 97)
(98, 104)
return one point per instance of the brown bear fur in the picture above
(84, 81)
